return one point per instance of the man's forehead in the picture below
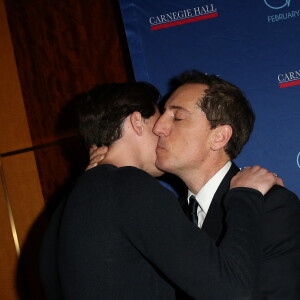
(178, 107)
(186, 95)
(183, 103)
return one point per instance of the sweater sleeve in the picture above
(152, 219)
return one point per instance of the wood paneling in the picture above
(23, 193)
(61, 164)
(21, 198)
(8, 255)
(14, 131)
(63, 48)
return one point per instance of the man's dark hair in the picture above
(223, 104)
(103, 109)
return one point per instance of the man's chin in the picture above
(154, 172)
(158, 173)
(159, 166)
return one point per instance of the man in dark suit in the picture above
(121, 235)
(205, 124)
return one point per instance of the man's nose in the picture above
(160, 128)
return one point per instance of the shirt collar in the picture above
(206, 194)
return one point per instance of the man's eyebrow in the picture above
(179, 108)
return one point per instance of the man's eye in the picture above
(177, 119)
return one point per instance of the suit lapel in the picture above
(214, 223)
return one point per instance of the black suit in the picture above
(280, 268)
(121, 235)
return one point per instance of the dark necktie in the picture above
(192, 211)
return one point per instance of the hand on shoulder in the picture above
(257, 178)
(97, 154)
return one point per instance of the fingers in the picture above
(97, 159)
(279, 181)
(95, 151)
(96, 156)
(93, 148)
(257, 178)
(91, 165)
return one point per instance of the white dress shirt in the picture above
(206, 194)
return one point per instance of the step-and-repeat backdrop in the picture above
(253, 44)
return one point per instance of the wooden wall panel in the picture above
(61, 164)
(14, 131)
(8, 255)
(21, 198)
(63, 48)
(23, 193)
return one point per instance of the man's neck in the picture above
(196, 178)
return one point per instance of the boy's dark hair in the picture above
(103, 109)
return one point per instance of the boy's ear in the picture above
(221, 137)
(137, 123)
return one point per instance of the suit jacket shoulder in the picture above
(281, 245)
(279, 197)
(280, 268)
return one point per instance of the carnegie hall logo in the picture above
(289, 79)
(185, 16)
(278, 5)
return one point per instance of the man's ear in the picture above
(137, 123)
(221, 136)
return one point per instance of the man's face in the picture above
(184, 132)
(149, 146)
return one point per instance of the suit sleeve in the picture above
(281, 246)
(153, 221)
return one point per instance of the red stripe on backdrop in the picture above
(287, 84)
(185, 21)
